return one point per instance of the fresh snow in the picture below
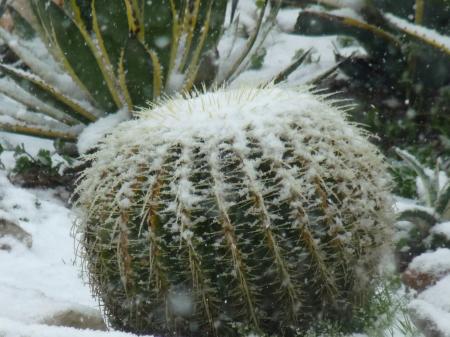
(40, 282)
(10, 328)
(93, 133)
(442, 229)
(433, 263)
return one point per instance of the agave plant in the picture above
(404, 57)
(81, 60)
(433, 189)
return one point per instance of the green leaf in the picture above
(250, 43)
(84, 9)
(436, 13)
(443, 203)
(162, 30)
(23, 163)
(422, 219)
(428, 184)
(430, 56)
(44, 157)
(36, 131)
(48, 94)
(283, 75)
(138, 72)
(206, 48)
(22, 27)
(379, 43)
(79, 57)
(111, 27)
(212, 15)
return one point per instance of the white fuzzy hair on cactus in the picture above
(233, 197)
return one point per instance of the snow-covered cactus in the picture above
(248, 209)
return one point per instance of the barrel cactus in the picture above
(234, 210)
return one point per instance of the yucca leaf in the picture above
(138, 72)
(135, 19)
(82, 9)
(191, 18)
(44, 67)
(428, 184)
(443, 203)
(48, 93)
(36, 131)
(326, 73)
(79, 56)
(22, 28)
(80, 16)
(196, 53)
(412, 32)
(159, 25)
(161, 31)
(110, 25)
(201, 16)
(432, 13)
(421, 218)
(425, 49)
(43, 26)
(376, 40)
(30, 117)
(249, 45)
(204, 54)
(123, 80)
(283, 75)
(14, 91)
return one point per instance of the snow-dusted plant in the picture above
(419, 220)
(79, 61)
(405, 53)
(234, 210)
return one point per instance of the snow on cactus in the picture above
(234, 210)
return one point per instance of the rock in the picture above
(427, 269)
(83, 318)
(417, 280)
(426, 326)
(9, 228)
(429, 319)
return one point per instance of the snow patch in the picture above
(442, 229)
(12, 328)
(92, 134)
(433, 263)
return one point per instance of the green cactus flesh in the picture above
(257, 209)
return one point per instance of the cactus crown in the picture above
(259, 208)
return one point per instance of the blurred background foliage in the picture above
(402, 83)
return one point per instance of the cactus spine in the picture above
(253, 208)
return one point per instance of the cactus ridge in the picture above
(261, 208)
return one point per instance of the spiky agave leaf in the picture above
(253, 208)
(428, 181)
(397, 47)
(443, 203)
(119, 55)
